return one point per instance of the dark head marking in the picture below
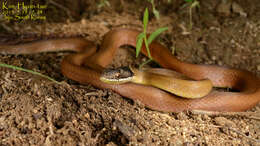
(120, 73)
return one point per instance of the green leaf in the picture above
(145, 18)
(156, 33)
(156, 14)
(139, 43)
(195, 4)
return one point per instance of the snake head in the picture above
(117, 76)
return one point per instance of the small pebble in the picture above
(224, 8)
(238, 9)
(214, 58)
(222, 121)
(258, 67)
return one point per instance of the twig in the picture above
(62, 7)
(251, 115)
(2, 20)
(240, 133)
(7, 28)
(234, 130)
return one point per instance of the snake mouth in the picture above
(117, 76)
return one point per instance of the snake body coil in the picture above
(86, 67)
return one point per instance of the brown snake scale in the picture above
(75, 67)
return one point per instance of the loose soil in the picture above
(36, 111)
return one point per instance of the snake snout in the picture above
(117, 76)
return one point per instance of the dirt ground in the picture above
(36, 111)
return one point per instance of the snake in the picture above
(87, 65)
(164, 79)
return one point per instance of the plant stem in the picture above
(29, 71)
(147, 47)
(147, 61)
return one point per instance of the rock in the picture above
(224, 8)
(222, 121)
(258, 67)
(238, 9)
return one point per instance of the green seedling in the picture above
(155, 12)
(142, 37)
(29, 71)
(103, 3)
(192, 4)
